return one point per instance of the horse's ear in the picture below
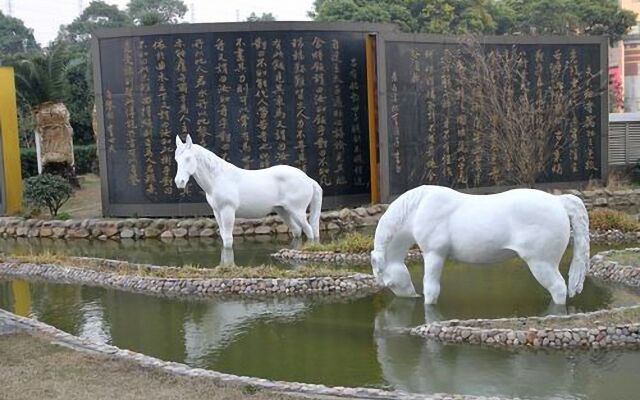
(188, 142)
(178, 142)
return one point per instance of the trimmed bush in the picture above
(47, 191)
(85, 157)
(604, 219)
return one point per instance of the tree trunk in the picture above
(56, 135)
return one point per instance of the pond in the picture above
(348, 343)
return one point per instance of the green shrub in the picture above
(29, 161)
(63, 216)
(604, 219)
(47, 191)
(85, 157)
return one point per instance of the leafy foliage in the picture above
(42, 78)
(79, 99)
(15, 38)
(592, 17)
(47, 191)
(153, 12)
(97, 15)
(85, 157)
(605, 219)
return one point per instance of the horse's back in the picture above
(282, 185)
(476, 227)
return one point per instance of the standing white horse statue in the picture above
(529, 223)
(234, 192)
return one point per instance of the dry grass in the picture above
(350, 243)
(184, 272)
(32, 368)
(612, 318)
(626, 258)
(604, 219)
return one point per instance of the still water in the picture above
(349, 343)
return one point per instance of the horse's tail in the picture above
(579, 219)
(315, 208)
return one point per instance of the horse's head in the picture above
(186, 159)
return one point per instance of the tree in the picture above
(154, 12)
(253, 17)
(15, 38)
(526, 122)
(591, 17)
(97, 15)
(42, 84)
(48, 191)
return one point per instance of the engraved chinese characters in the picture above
(434, 133)
(257, 99)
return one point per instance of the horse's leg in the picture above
(227, 219)
(294, 228)
(433, 263)
(227, 257)
(300, 218)
(548, 275)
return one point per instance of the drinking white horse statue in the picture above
(529, 223)
(234, 192)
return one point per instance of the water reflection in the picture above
(427, 366)
(361, 342)
(208, 334)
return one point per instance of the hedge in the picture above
(85, 157)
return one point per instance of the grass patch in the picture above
(33, 368)
(622, 316)
(350, 243)
(626, 258)
(185, 272)
(604, 219)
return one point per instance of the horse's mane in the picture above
(396, 216)
(213, 163)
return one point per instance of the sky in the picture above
(46, 16)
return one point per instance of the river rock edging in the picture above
(167, 229)
(346, 219)
(483, 331)
(332, 257)
(604, 268)
(346, 286)
(480, 331)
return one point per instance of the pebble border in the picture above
(168, 229)
(605, 269)
(347, 286)
(346, 219)
(292, 255)
(480, 331)
(331, 256)
(31, 326)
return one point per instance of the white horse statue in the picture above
(529, 223)
(234, 192)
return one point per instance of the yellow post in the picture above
(10, 144)
(372, 92)
(22, 298)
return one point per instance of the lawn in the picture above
(33, 368)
